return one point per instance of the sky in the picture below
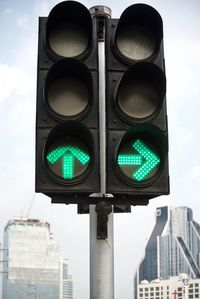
(18, 66)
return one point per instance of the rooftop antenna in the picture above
(30, 206)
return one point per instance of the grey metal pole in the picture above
(101, 251)
(101, 260)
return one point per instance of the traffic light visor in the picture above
(140, 93)
(138, 33)
(69, 89)
(69, 30)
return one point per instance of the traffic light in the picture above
(67, 120)
(137, 135)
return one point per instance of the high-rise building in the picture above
(176, 287)
(33, 267)
(173, 247)
(66, 286)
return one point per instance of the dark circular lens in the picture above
(140, 93)
(68, 89)
(68, 96)
(138, 99)
(68, 39)
(135, 42)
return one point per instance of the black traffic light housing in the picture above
(136, 106)
(67, 118)
(67, 121)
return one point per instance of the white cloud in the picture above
(182, 137)
(195, 173)
(43, 7)
(182, 65)
(13, 79)
(7, 11)
(23, 22)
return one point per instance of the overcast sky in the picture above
(18, 60)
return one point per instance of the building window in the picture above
(191, 285)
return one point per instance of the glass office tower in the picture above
(173, 247)
(32, 264)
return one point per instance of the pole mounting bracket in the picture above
(102, 209)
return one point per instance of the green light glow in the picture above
(68, 154)
(54, 155)
(68, 166)
(146, 159)
(129, 160)
(151, 160)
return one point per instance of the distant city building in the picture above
(173, 247)
(66, 286)
(177, 287)
(34, 267)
